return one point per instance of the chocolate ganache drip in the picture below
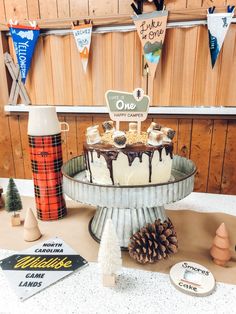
(132, 155)
(111, 153)
(150, 156)
(87, 164)
(109, 157)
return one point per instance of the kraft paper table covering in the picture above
(195, 234)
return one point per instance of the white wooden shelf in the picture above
(199, 110)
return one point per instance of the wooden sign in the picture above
(151, 28)
(124, 106)
(40, 266)
(192, 278)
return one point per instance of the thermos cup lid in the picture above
(43, 121)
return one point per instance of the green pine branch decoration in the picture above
(12, 201)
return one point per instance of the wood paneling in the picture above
(162, 84)
(44, 9)
(125, 7)
(82, 123)
(229, 169)
(226, 91)
(184, 137)
(6, 157)
(204, 141)
(184, 77)
(211, 3)
(105, 7)
(33, 9)
(193, 4)
(217, 156)
(48, 9)
(60, 13)
(16, 10)
(48, 85)
(63, 8)
(71, 137)
(2, 11)
(200, 151)
(176, 5)
(23, 123)
(16, 147)
(79, 8)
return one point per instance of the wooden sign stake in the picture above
(117, 125)
(17, 88)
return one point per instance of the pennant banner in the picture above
(24, 39)
(151, 28)
(83, 34)
(218, 25)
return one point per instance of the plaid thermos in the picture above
(44, 133)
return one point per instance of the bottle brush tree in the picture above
(109, 255)
(13, 202)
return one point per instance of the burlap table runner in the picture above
(195, 234)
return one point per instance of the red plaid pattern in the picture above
(46, 162)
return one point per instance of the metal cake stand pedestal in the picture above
(129, 207)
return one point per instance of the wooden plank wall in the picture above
(184, 77)
(43, 9)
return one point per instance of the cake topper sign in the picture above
(124, 106)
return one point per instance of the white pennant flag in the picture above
(83, 34)
(218, 25)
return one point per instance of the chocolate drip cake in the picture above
(128, 158)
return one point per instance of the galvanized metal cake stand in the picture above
(129, 207)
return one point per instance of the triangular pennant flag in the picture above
(24, 39)
(151, 28)
(83, 34)
(218, 25)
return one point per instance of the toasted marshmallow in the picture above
(155, 138)
(108, 126)
(92, 135)
(119, 139)
(154, 126)
(169, 134)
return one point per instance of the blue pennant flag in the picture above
(218, 25)
(24, 39)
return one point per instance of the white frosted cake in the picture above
(128, 158)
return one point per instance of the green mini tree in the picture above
(12, 201)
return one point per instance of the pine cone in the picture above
(153, 242)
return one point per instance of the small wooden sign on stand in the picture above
(17, 88)
(192, 278)
(124, 106)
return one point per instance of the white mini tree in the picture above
(109, 255)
